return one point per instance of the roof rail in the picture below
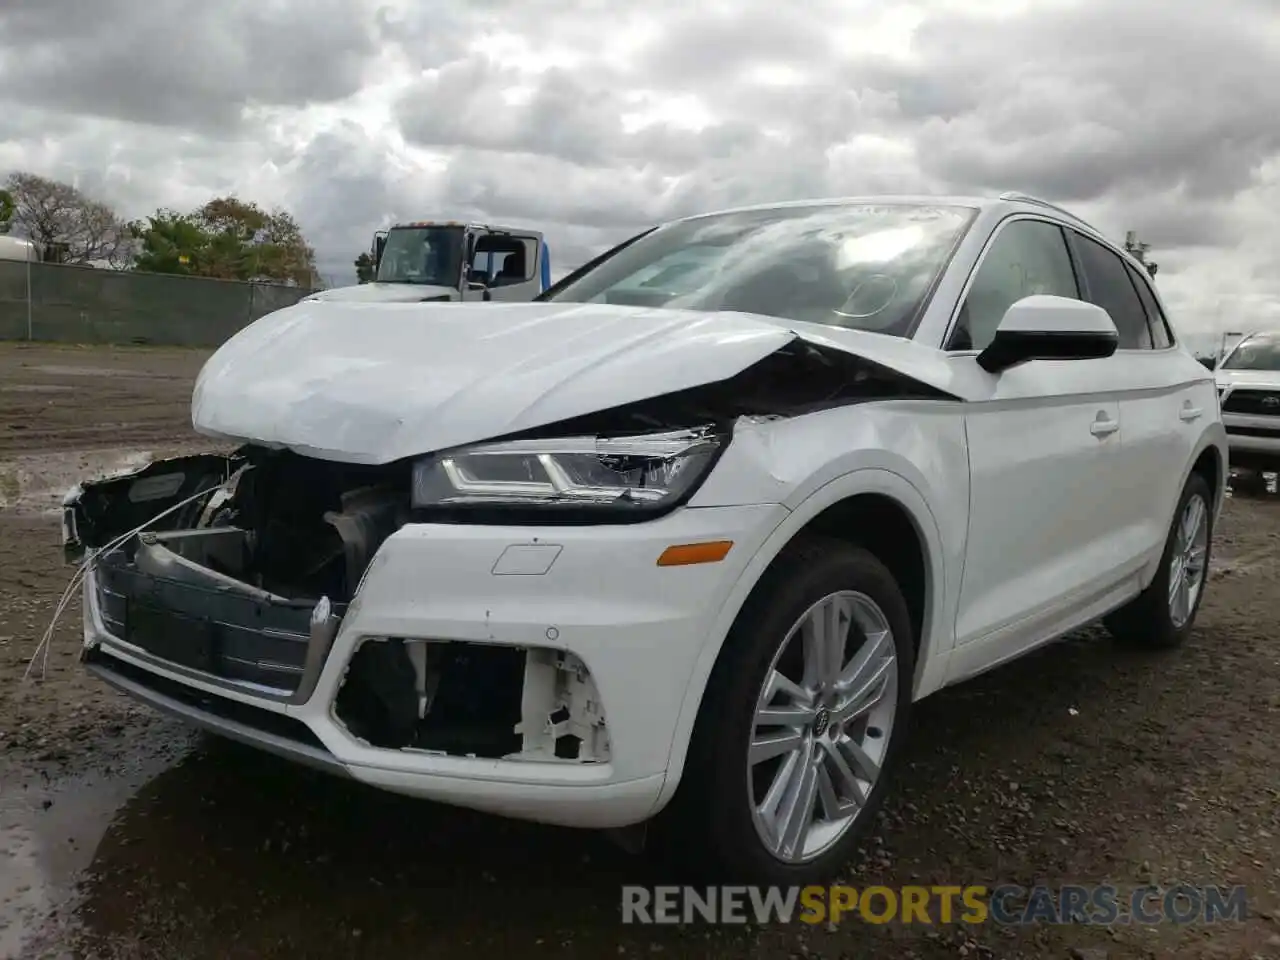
(1015, 196)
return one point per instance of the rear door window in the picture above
(1110, 287)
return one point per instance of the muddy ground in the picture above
(124, 835)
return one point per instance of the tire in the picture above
(1148, 620)
(716, 829)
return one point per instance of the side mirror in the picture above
(379, 244)
(1210, 363)
(480, 285)
(1044, 327)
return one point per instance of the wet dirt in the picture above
(124, 835)
(60, 398)
(35, 485)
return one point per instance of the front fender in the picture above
(934, 644)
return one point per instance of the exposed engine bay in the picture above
(247, 583)
(287, 525)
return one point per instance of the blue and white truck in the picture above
(435, 260)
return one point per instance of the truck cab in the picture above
(452, 261)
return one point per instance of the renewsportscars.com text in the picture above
(1006, 904)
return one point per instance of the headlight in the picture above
(633, 475)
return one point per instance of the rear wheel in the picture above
(804, 715)
(1164, 613)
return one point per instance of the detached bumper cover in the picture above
(260, 644)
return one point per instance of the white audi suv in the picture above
(680, 543)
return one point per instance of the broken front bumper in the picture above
(270, 674)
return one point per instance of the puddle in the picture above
(220, 850)
(36, 483)
(236, 853)
(49, 835)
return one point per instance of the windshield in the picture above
(1259, 352)
(860, 265)
(426, 255)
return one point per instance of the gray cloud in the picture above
(462, 105)
(20, 123)
(341, 193)
(1151, 116)
(533, 187)
(1083, 100)
(1180, 221)
(578, 119)
(707, 45)
(181, 64)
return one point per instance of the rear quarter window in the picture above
(1161, 332)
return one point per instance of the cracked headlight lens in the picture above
(641, 474)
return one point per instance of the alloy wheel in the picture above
(823, 721)
(1187, 561)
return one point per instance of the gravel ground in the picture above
(124, 835)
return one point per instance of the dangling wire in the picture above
(83, 570)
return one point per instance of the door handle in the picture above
(1103, 426)
(1189, 413)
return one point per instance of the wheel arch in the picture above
(1213, 461)
(1209, 458)
(835, 508)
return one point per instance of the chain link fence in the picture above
(72, 304)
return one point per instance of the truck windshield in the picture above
(867, 266)
(426, 255)
(1259, 352)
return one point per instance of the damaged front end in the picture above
(240, 574)
(237, 571)
(465, 699)
(233, 568)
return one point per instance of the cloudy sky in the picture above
(590, 119)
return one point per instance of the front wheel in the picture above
(1162, 615)
(804, 714)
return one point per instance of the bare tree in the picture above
(67, 225)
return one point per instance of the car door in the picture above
(1043, 442)
(1165, 397)
(518, 277)
(476, 265)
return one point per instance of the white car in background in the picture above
(682, 543)
(1249, 390)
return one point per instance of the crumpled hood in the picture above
(373, 383)
(383, 293)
